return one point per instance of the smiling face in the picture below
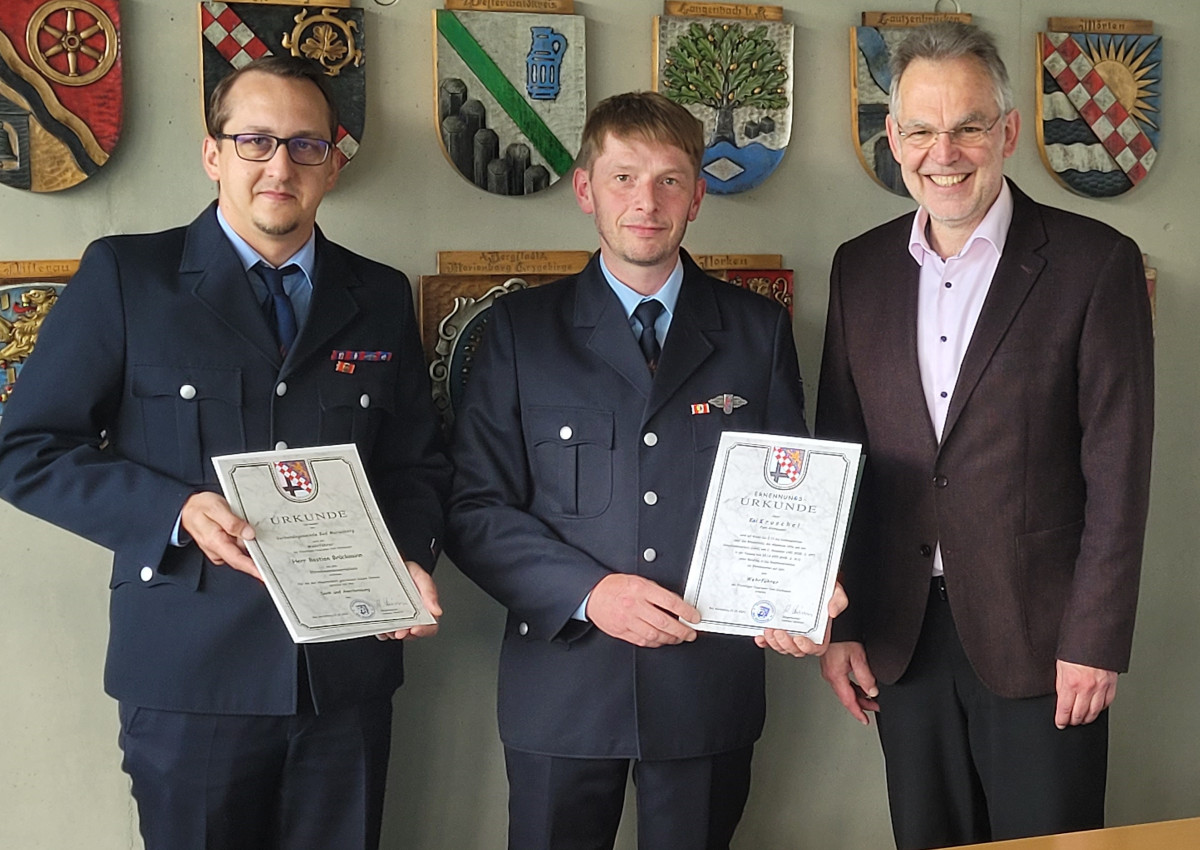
(642, 196)
(956, 185)
(271, 204)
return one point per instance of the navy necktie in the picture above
(647, 313)
(280, 314)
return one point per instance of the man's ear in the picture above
(582, 182)
(210, 153)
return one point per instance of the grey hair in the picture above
(945, 41)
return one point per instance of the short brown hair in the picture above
(286, 67)
(644, 115)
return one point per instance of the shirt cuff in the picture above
(581, 611)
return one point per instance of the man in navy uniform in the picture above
(167, 349)
(581, 469)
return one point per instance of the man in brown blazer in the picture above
(994, 356)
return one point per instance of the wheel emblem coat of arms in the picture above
(60, 91)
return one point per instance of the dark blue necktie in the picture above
(647, 313)
(280, 314)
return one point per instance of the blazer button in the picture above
(649, 555)
(650, 497)
(147, 573)
(365, 401)
(926, 550)
(281, 389)
(565, 432)
(187, 392)
(280, 446)
(523, 629)
(940, 481)
(650, 438)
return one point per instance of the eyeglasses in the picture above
(258, 147)
(969, 135)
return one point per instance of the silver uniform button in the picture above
(187, 392)
(281, 389)
(523, 629)
(280, 446)
(649, 555)
(565, 432)
(650, 497)
(147, 573)
(365, 401)
(650, 438)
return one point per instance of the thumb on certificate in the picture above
(425, 586)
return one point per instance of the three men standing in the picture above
(993, 355)
(995, 358)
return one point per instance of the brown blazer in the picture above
(1038, 492)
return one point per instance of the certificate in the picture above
(320, 543)
(772, 534)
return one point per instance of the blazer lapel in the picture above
(332, 306)
(895, 333)
(687, 346)
(210, 268)
(1019, 267)
(597, 307)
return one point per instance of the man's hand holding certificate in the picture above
(320, 543)
(772, 533)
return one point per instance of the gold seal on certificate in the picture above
(772, 533)
(320, 543)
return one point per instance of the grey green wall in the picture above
(818, 774)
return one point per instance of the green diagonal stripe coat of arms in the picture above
(510, 98)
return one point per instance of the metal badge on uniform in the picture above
(727, 402)
(343, 366)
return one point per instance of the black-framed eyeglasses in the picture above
(259, 147)
(969, 135)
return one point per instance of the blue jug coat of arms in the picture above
(511, 96)
(736, 77)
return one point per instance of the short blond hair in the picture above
(644, 115)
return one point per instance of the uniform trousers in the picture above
(966, 766)
(560, 803)
(305, 781)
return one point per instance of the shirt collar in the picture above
(305, 258)
(668, 293)
(993, 229)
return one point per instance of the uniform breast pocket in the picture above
(572, 459)
(352, 410)
(189, 414)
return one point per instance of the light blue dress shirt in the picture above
(298, 286)
(668, 294)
